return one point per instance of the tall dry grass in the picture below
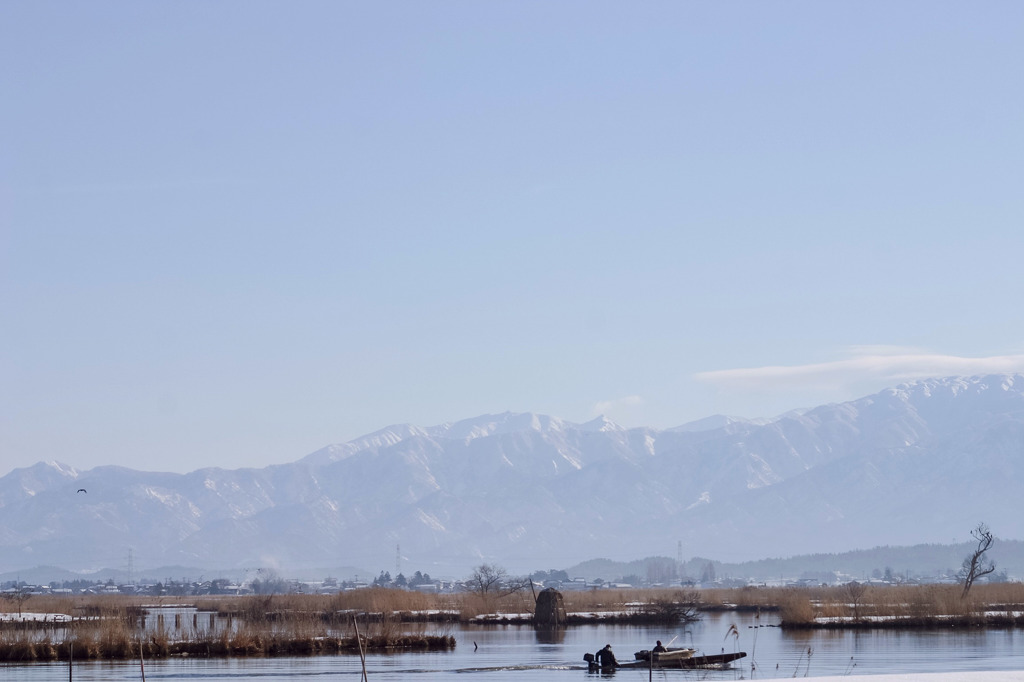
(108, 626)
(111, 627)
(884, 604)
(796, 608)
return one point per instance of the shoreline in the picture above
(243, 646)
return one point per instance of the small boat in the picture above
(694, 662)
(679, 659)
(666, 657)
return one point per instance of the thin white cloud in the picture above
(885, 349)
(607, 406)
(888, 363)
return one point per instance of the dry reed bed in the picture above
(371, 604)
(107, 626)
(104, 645)
(884, 606)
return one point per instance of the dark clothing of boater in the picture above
(605, 657)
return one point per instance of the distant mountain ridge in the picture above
(923, 462)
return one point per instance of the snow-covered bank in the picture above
(988, 676)
(35, 617)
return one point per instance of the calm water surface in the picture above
(520, 653)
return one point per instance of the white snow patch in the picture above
(574, 462)
(36, 617)
(430, 520)
(165, 498)
(70, 471)
(516, 533)
(761, 472)
(958, 676)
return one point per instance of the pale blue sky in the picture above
(232, 233)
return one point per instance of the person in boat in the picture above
(605, 657)
(658, 647)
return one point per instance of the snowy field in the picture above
(36, 617)
(992, 676)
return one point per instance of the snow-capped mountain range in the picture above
(923, 462)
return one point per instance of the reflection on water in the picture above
(491, 653)
(550, 635)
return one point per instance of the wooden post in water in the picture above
(71, 645)
(359, 642)
(142, 662)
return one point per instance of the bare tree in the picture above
(678, 607)
(855, 591)
(488, 581)
(976, 564)
(19, 595)
(269, 582)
